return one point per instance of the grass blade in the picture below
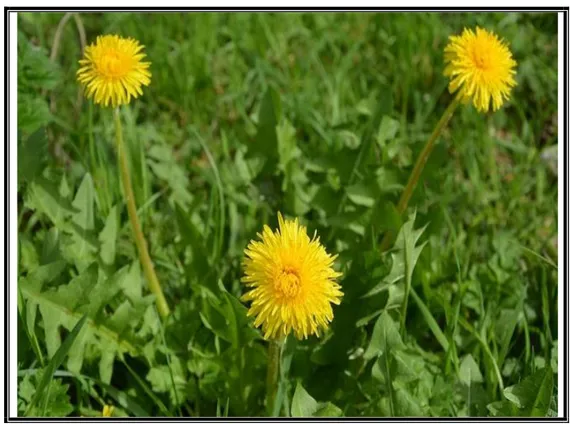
(431, 322)
(55, 362)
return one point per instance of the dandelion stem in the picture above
(273, 360)
(140, 241)
(419, 166)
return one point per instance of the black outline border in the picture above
(7, 10)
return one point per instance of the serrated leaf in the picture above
(56, 404)
(44, 196)
(404, 257)
(62, 308)
(161, 380)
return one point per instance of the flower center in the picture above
(481, 59)
(113, 64)
(288, 283)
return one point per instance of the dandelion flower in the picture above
(292, 282)
(481, 66)
(112, 70)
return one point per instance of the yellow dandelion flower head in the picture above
(112, 70)
(481, 66)
(292, 282)
(107, 411)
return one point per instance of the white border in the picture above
(13, 161)
(301, 5)
(13, 217)
(561, 229)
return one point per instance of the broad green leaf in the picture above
(84, 244)
(361, 195)
(241, 331)
(227, 319)
(33, 113)
(407, 404)
(387, 131)
(44, 196)
(83, 203)
(45, 273)
(287, 144)
(384, 335)
(328, 409)
(193, 237)
(108, 237)
(32, 153)
(533, 394)
(51, 250)
(269, 117)
(303, 404)
(505, 327)
(469, 371)
(504, 408)
(409, 366)
(350, 139)
(164, 165)
(35, 69)
(132, 283)
(386, 217)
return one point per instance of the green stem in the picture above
(273, 359)
(419, 166)
(140, 241)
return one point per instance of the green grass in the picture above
(319, 116)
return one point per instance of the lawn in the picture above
(319, 116)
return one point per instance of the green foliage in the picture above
(53, 400)
(319, 116)
(303, 405)
(56, 403)
(530, 398)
